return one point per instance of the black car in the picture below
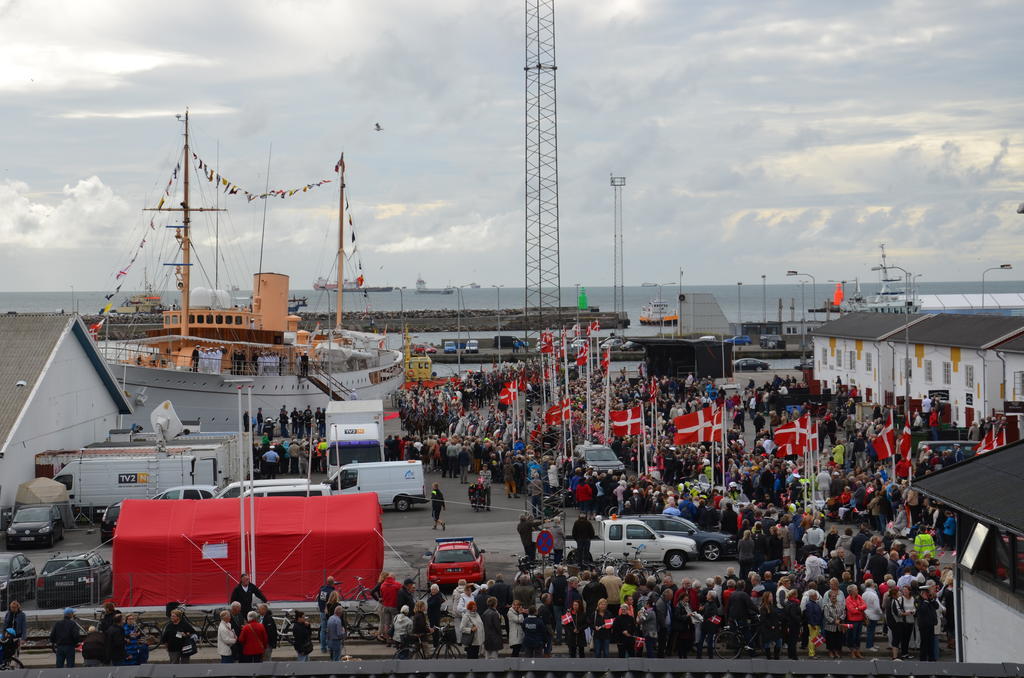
(750, 365)
(711, 545)
(17, 579)
(35, 525)
(74, 580)
(804, 365)
(109, 522)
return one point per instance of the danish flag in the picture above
(652, 389)
(885, 442)
(992, 440)
(606, 359)
(627, 422)
(557, 413)
(547, 342)
(594, 327)
(584, 354)
(905, 441)
(576, 330)
(792, 438)
(509, 393)
(698, 426)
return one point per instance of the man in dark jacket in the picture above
(502, 592)
(593, 591)
(114, 639)
(94, 648)
(583, 533)
(244, 593)
(525, 529)
(64, 636)
(927, 618)
(878, 565)
(558, 589)
(270, 625)
(407, 595)
(492, 629)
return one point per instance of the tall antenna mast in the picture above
(543, 301)
(618, 291)
(341, 241)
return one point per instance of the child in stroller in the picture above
(9, 650)
(477, 496)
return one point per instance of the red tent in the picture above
(188, 551)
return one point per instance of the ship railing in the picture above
(147, 355)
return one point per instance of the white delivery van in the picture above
(232, 490)
(102, 482)
(396, 483)
(301, 489)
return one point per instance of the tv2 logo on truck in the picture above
(132, 478)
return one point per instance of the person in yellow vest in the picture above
(924, 545)
(838, 454)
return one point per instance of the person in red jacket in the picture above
(585, 499)
(388, 603)
(686, 589)
(253, 639)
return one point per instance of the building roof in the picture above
(29, 341)
(981, 486)
(1004, 301)
(865, 325)
(966, 331)
(1015, 345)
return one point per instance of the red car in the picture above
(454, 559)
(423, 349)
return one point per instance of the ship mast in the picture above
(186, 250)
(341, 242)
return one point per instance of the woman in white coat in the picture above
(515, 627)
(471, 631)
(226, 638)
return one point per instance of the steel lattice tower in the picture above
(618, 286)
(543, 273)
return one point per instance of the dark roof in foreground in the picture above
(552, 668)
(1013, 345)
(983, 487)
(967, 331)
(865, 325)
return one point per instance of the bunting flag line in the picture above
(231, 188)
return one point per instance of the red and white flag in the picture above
(905, 441)
(885, 442)
(594, 327)
(627, 422)
(652, 389)
(583, 354)
(553, 415)
(509, 394)
(792, 438)
(697, 427)
(575, 330)
(566, 618)
(813, 441)
(94, 329)
(547, 342)
(606, 360)
(561, 346)
(992, 440)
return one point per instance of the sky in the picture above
(754, 137)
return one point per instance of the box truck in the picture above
(99, 482)
(355, 433)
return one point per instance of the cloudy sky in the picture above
(754, 136)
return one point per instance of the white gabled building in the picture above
(56, 392)
(969, 361)
(853, 349)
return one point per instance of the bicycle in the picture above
(363, 623)
(448, 644)
(410, 647)
(733, 639)
(207, 631)
(358, 592)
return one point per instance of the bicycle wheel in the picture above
(150, 634)
(208, 634)
(447, 651)
(368, 626)
(728, 645)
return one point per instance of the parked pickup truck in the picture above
(622, 537)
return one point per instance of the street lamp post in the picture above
(460, 306)
(764, 300)
(401, 303)
(739, 309)
(906, 341)
(1000, 267)
(803, 322)
(241, 468)
(679, 306)
(497, 288)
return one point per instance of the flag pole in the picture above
(568, 397)
(607, 396)
(589, 433)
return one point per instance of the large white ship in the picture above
(208, 348)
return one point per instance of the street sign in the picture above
(545, 542)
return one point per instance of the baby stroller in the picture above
(477, 496)
(9, 650)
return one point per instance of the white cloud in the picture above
(139, 114)
(88, 214)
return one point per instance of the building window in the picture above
(867, 361)
(199, 320)
(969, 376)
(853, 359)
(824, 355)
(839, 359)
(1018, 384)
(947, 373)
(928, 371)
(220, 320)
(209, 318)
(191, 318)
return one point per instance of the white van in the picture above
(233, 490)
(103, 481)
(293, 490)
(396, 483)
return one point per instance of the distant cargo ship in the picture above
(350, 286)
(421, 288)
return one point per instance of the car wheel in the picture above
(675, 560)
(402, 504)
(711, 551)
